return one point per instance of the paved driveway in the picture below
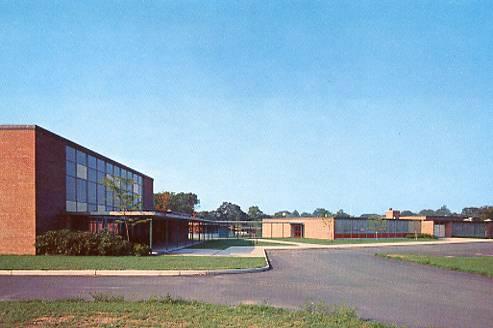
(380, 289)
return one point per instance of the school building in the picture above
(392, 225)
(48, 182)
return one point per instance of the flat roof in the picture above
(68, 141)
(148, 214)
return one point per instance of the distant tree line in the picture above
(227, 211)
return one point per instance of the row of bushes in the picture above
(68, 242)
(420, 236)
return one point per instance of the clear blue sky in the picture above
(360, 105)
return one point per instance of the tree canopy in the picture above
(321, 212)
(230, 212)
(255, 213)
(341, 214)
(442, 211)
(178, 202)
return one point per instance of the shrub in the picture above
(420, 236)
(140, 249)
(67, 242)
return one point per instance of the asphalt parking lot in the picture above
(385, 290)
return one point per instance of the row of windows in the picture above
(81, 161)
(82, 172)
(85, 189)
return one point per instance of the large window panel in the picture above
(71, 206)
(101, 165)
(116, 171)
(101, 177)
(109, 168)
(92, 175)
(81, 207)
(82, 171)
(70, 168)
(101, 195)
(81, 190)
(70, 153)
(81, 158)
(70, 189)
(91, 162)
(109, 198)
(91, 193)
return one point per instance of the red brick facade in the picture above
(33, 188)
(17, 191)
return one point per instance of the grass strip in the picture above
(163, 262)
(482, 265)
(115, 312)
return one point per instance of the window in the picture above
(81, 207)
(70, 168)
(109, 168)
(70, 188)
(101, 177)
(81, 158)
(70, 154)
(117, 171)
(91, 193)
(101, 194)
(109, 198)
(91, 162)
(92, 175)
(81, 190)
(71, 206)
(92, 207)
(82, 171)
(101, 165)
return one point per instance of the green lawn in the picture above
(225, 243)
(474, 264)
(164, 262)
(114, 312)
(349, 241)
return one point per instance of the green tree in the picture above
(282, 214)
(443, 211)
(407, 213)
(341, 214)
(126, 200)
(255, 213)
(471, 211)
(294, 214)
(486, 213)
(427, 212)
(177, 202)
(305, 214)
(321, 212)
(230, 212)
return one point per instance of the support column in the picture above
(150, 234)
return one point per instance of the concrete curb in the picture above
(134, 273)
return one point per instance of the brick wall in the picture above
(17, 191)
(317, 228)
(50, 181)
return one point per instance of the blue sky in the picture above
(359, 105)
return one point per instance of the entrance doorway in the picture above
(439, 230)
(297, 230)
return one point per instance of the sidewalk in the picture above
(257, 251)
